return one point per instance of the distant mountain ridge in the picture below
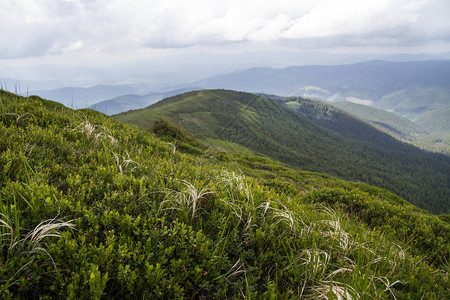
(132, 101)
(368, 80)
(317, 138)
(83, 97)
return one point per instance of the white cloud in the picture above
(38, 27)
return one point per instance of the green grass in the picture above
(125, 213)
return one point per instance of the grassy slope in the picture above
(92, 208)
(333, 143)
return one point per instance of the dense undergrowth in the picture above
(91, 208)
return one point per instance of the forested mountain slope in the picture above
(91, 208)
(327, 141)
(395, 124)
(430, 131)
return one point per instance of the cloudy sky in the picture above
(117, 32)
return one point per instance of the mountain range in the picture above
(417, 90)
(309, 135)
(366, 81)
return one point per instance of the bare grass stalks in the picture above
(243, 209)
(235, 209)
(237, 182)
(46, 229)
(389, 285)
(248, 223)
(237, 269)
(398, 257)
(86, 128)
(281, 215)
(393, 257)
(125, 164)
(338, 234)
(399, 254)
(16, 116)
(7, 230)
(31, 243)
(243, 215)
(334, 290)
(186, 200)
(106, 134)
(98, 133)
(174, 148)
(316, 262)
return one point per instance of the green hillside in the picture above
(437, 120)
(414, 101)
(419, 133)
(321, 140)
(390, 122)
(91, 208)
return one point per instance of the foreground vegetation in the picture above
(91, 208)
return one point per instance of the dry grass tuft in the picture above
(125, 163)
(187, 199)
(335, 290)
(98, 133)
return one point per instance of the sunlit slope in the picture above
(268, 128)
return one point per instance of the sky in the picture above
(112, 37)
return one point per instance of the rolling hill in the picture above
(318, 139)
(91, 208)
